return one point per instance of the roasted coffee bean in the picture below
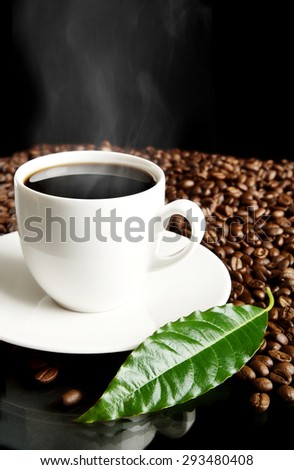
(259, 212)
(259, 274)
(237, 276)
(284, 301)
(259, 294)
(220, 252)
(256, 284)
(246, 373)
(290, 333)
(280, 337)
(260, 252)
(234, 192)
(279, 356)
(186, 184)
(238, 303)
(36, 363)
(281, 377)
(289, 349)
(288, 273)
(284, 291)
(273, 314)
(46, 375)
(273, 327)
(278, 213)
(229, 250)
(273, 345)
(264, 262)
(247, 297)
(273, 229)
(279, 240)
(286, 392)
(284, 366)
(247, 260)
(285, 200)
(283, 264)
(260, 401)
(248, 250)
(259, 367)
(265, 359)
(71, 397)
(263, 346)
(236, 263)
(263, 384)
(237, 288)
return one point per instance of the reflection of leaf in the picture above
(182, 360)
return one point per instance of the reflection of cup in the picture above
(33, 415)
(22, 428)
(25, 428)
(89, 252)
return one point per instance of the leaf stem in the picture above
(271, 300)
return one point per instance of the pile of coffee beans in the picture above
(249, 210)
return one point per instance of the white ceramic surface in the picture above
(103, 269)
(28, 317)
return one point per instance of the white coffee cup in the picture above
(92, 255)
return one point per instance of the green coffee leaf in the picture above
(181, 361)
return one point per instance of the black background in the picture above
(212, 76)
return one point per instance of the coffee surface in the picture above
(90, 181)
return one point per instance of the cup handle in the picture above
(195, 216)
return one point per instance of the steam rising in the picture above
(117, 70)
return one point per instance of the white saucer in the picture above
(28, 317)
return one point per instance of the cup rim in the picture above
(86, 156)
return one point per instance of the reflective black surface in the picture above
(32, 415)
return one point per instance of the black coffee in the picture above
(91, 181)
